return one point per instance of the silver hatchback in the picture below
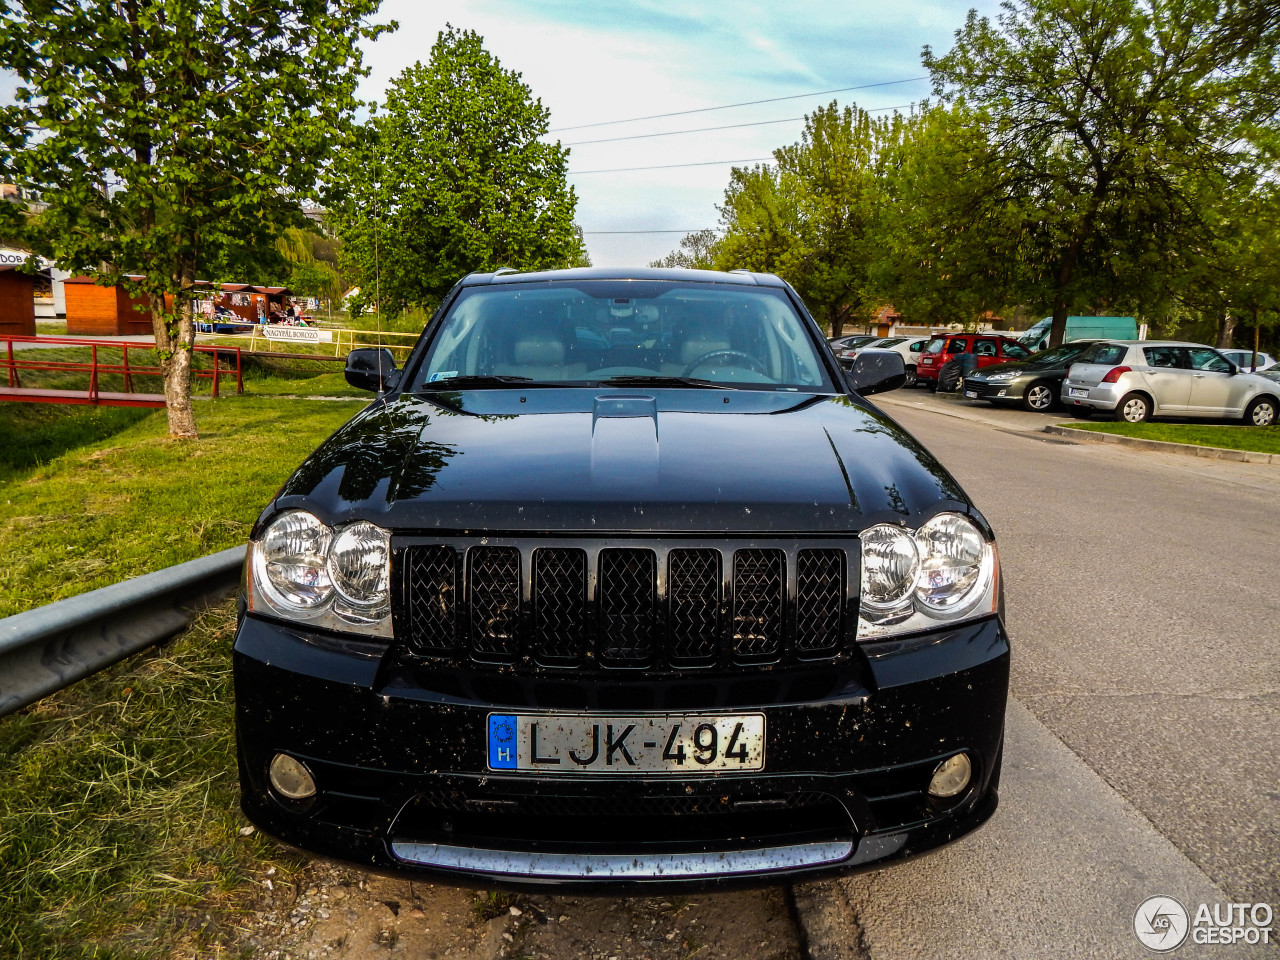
(1135, 380)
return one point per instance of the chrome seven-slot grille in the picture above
(634, 604)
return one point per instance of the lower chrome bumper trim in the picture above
(515, 863)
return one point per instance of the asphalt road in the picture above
(1142, 753)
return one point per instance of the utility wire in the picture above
(730, 106)
(619, 232)
(731, 126)
(671, 166)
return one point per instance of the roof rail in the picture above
(742, 270)
(501, 270)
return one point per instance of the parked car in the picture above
(1081, 328)
(908, 347)
(844, 347)
(987, 348)
(1244, 360)
(495, 630)
(1135, 380)
(1035, 383)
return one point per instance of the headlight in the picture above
(339, 579)
(294, 552)
(942, 573)
(1001, 376)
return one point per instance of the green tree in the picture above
(950, 239)
(1116, 123)
(312, 262)
(450, 176)
(1239, 275)
(697, 252)
(811, 216)
(158, 131)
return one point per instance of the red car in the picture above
(989, 348)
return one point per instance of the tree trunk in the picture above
(175, 336)
(836, 316)
(1226, 328)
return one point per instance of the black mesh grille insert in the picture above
(759, 577)
(819, 598)
(493, 592)
(559, 604)
(638, 603)
(693, 588)
(628, 592)
(431, 595)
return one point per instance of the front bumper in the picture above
(398, 755)
(994, 390)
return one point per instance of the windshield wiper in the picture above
(639, 380)
(476, 382)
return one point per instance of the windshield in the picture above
(629, 331)
(1037, 330)
(1062, 354)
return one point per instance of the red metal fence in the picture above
(17, 361)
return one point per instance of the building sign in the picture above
(16, 258)
(304, 334)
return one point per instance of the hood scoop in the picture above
(624, 442)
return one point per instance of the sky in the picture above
(591, 61)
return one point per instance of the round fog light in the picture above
(951, 776)
(291, 779)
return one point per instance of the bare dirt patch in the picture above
(342, 913)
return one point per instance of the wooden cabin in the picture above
(94, 311)
(17, 302)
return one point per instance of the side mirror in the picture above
(875, 371)
(371, 368)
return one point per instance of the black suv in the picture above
(620, 581)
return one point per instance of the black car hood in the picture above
(600, 460)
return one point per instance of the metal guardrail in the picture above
(51, 647)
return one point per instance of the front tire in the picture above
(1261, 413)
(1039, 397)
(1133, 408)
(911, 380)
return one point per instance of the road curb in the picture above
(53, 646)
(1164, 446)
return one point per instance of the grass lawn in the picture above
(119, 826)
(1257, 439)
(119, 820)
(97, 496)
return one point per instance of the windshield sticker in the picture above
(442, 375)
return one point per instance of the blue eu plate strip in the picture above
(502, 742)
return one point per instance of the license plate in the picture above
(971, 393)
(1077, 392)
(601, 744)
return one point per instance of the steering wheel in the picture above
(750, 362)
